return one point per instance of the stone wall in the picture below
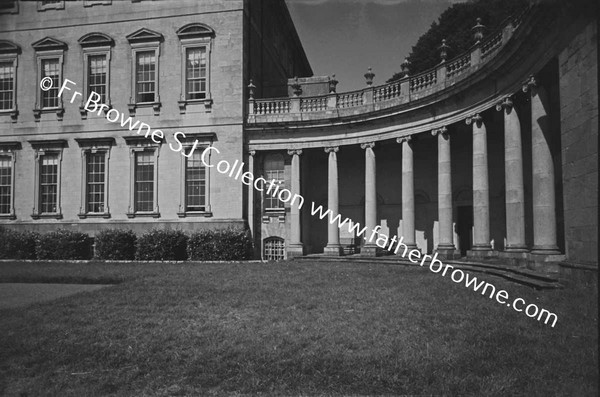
(578, 69)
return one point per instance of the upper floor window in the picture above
(196, 42)
(274, 167)
(49, 55)
(8, 78)
(96, 54)
(48, 156)
(145, 51)
(9, 7)
(44, 5)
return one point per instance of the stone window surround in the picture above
(10, 54)
(90, 3)
(10, 149)
(94, 145)
(140, 41)
(60, 5)
(141, 144)
(48, 48)
(204, 140)
(41, 148)
(102, 46)
(13, 10)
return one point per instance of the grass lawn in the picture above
(291, 329)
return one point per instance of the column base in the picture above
(295, 250)
(447, 252)
(545, 250)
(369, 250)
(482, 253)
(333, 250)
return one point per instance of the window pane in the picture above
(48, 183)
(196, 73)
(145, 76)
(274, 171)
(5, 184)
(274, 249)
(195, 183)
(95, 174)
(144, 181)
(97, 72)
(51, 68)
(7, 84)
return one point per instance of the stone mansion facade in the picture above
(492, 153)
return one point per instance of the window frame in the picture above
(45, 49)
(94, 44)
(144, 40)
(204, 140)
(275, 211)
(9, 149)
(9, 52)
(274, 239)
(13, 10)
(138, 144)
(42, 148)
(195, 36)
(59, 5)
(94, 146)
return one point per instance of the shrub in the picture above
(17, 245)
(64, 244)
(160, 244)
(223, 244)
(115, 244)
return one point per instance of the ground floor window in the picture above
(274, 249)
(5, 185)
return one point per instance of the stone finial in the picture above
(505, 104)
(529, 84)
(332, 84)
(251, 88)
(444, 50)
(369, 76)
(368, 145)
(476, 118)
(292, 152)
(405, 66)
(478, 31)
(297, 87)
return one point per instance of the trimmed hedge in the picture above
(115, 244)
(220, 245)
(162, 245)
(17, 245)
(64, 244)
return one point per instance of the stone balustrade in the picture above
(396, 93)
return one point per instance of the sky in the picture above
(345, 37)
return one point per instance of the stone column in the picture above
(333, 231)
(408, 193)
(370, 248)
(445, 247)
(295, 247)
(481, 191)
(513, 171)
(544, 206)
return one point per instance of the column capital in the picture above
(368, 145)
(252, 153)
(406, 139)
(292, 152)
(333, 149)
(476, 118)
(505, 104)
(530, 84)
(443, 131)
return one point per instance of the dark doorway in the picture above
(464, 228)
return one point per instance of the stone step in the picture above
(519, 275)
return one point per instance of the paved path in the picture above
(23, 294)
